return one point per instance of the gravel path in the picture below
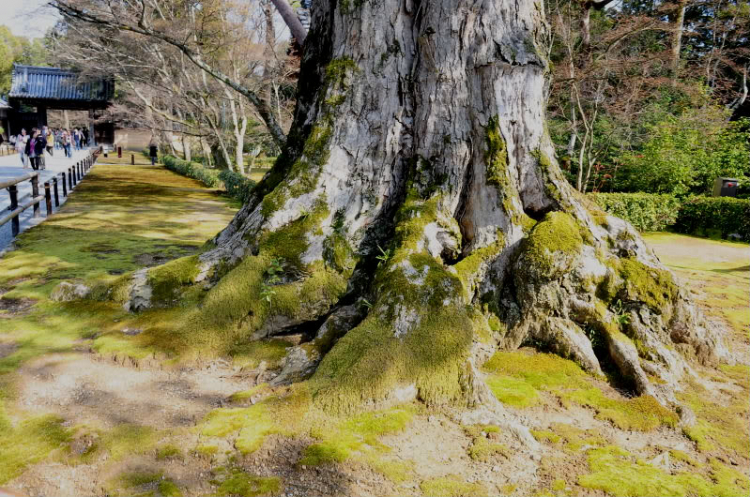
(10, 167)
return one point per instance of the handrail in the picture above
(19, 179)
(20, 209)
(75, 173)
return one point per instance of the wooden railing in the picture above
(68, 180)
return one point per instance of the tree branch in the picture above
(264, 111)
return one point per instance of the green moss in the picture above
(431, 349)
(168, 451)
(142, 483)
(128, 439)
(238, 482)
(654, 287)
(468, 267)
(249, 355)
(517, 378)
(206, 450)
(248, 427)
(679, 455)
(339, 69)
(27, 442)
(358, 434)
(558, 233)
(615, 471)
(395, 471)
(485, 450)
(167, 279)
(719, 428)
(167, 488)
(513, 391)
(452, 486)
(496, 155)
(546, 436)
(261, 390)
(576, 439)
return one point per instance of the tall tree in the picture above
(417, 219)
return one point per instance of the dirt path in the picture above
(80, 387)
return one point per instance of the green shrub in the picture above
(714, 215)
(237, 185)
(645, 211)
(209, 177)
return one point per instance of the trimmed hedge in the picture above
(715, 215)
(237, 185)
(706, 216)
(645, 211)
(209, 177)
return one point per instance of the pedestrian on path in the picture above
(35, 148)
(153, 152)
(65, 139)
(49, 137)
(21, 141)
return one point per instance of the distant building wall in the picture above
(132, 138)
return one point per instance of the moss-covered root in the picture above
(416, 340)
(604, 310)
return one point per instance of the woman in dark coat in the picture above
(35, 148)
(153, 151)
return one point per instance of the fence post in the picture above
(35, 193)
(48, 198)
(57, 195)
(65, 184)
(119, 152)
(73, 175)
(14, 223)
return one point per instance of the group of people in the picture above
(31, 148)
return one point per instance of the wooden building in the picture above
(34, 90)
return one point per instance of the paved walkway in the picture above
(10, 167)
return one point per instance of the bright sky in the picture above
(29, 18)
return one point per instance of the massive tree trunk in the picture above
(417, 220)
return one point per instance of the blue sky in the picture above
(30, 18)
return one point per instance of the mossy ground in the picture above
(718, 273)
(120, 218)
(519, 378)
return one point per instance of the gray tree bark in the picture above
(420, 221)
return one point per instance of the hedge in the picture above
(209, 177)
(645, 211)
(715, 215)
(236, 185)
(693, 215)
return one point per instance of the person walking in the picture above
(49, 138)
(153, 152)
(21, 147)
(77, 138)
(35, 148)
(65, 142)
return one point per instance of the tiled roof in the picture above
(4, 104)
(49, 83)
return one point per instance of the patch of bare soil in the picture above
(79, 387)
(12, 308)
(7, 348)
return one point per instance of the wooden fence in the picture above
(65, 181)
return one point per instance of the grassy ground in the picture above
(117, 220)
(69, 418)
